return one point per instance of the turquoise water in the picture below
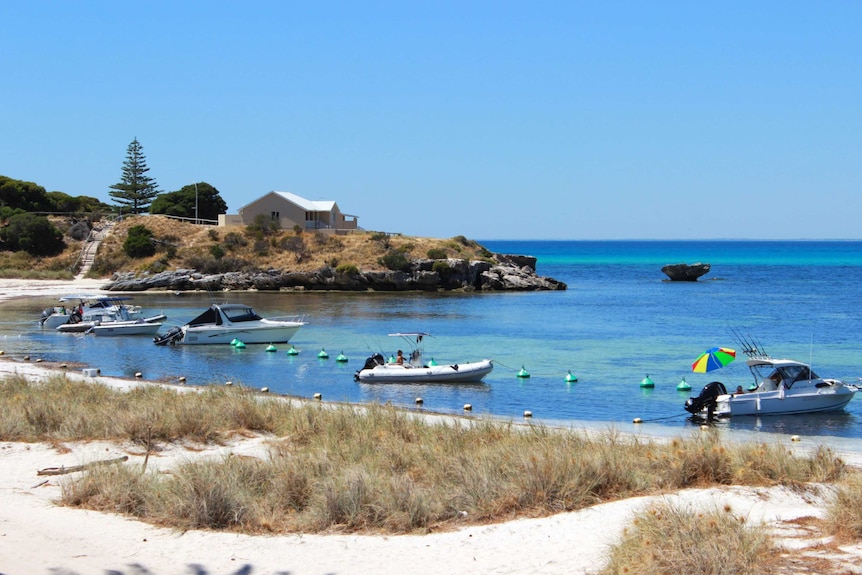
(618, 322)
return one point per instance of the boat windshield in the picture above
(209, 317)
(238, 315)
(796, 373)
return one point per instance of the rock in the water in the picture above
(685, 272)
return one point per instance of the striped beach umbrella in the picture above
(714, 358)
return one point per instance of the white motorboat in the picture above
(222, 323)
(86, 309)
(781, 387)
(145, 326)
(414, 370)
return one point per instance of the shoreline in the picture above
(36, 535)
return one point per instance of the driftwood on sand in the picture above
(74, 468)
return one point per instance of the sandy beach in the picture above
(38, 536)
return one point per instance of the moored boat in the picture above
(413, 369)
(781, 387)
(222, 323)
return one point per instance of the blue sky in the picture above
(493, 120)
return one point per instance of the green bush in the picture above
(437, 254)
(442, 267)
(32, 234)
(139, 242)
(216, 251)
(394, 260)
(347, 269)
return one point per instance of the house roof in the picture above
(307, 205)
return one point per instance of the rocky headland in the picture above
(507, 272)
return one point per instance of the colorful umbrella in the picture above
(714, 358)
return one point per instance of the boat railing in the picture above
(295, 318)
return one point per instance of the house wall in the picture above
(289, 215)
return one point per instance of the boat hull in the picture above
(123, 328)
(456, 373)
(771, 403)
(211, 335)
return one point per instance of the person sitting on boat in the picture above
(739, 390)
(400, 358)
(772, 382)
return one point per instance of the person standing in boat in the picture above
(399, 359)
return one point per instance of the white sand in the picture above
(37, 536)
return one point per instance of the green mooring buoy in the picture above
(270, 348)
(239, 344)
(292, 351)
(570, 377)
(323, 354)
(523, 373)
(341, 357)
(683, 386)
(647, 382)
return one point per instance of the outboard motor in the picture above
(706, 399)
(374, 361)
(172, 336)
(371, 363)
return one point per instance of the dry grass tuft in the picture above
(844, 513)
(666, 539)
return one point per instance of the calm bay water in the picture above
(618, 322)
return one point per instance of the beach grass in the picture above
(668, 538)
(370, 468)
(844, 511)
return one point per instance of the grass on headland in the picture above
(367, 469)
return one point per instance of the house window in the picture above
(274, 216)
(309, 216)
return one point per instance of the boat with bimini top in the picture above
(412, 369)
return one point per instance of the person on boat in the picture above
(400, 358)
(772, 382)
(739, 390)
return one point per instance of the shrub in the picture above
(437, 254)
(139, 242)
(32, 234)
(394, 260)
(347, 269)
(216, 251)
(213, 234)
(442, 267)
(79, 231)
(233, 241)
(260, 248)
(382, 238)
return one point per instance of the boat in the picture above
(223, 323)
(83, 308)
(144, 326)
(781, 387)
(99, 312)
(413, 369)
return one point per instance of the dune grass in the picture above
(366, 468)
(671, 539)
(844, 512)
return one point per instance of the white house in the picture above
(290, 210)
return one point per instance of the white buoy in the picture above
(39, 360)
(138, 374)
(704, 427)
(419, 401)
(528, 414)
(637, 420)
(182, 379)
(63, 365)
(228, 383)
(468, 407)
(318, 396)
(795, 438)
(264, 389)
